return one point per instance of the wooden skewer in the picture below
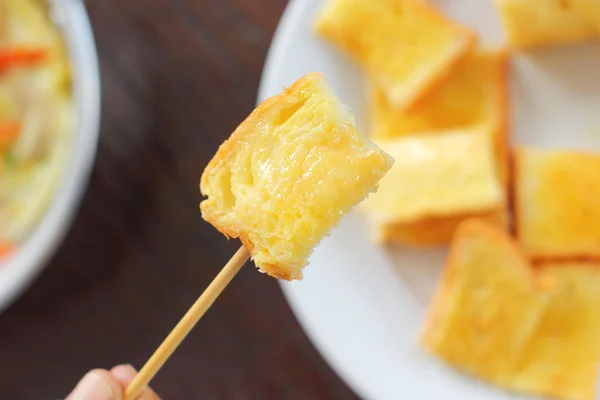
(187, 323)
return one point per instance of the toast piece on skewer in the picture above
(287, 175)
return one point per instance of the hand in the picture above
(100, 384)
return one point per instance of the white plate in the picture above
(18, 271)
(363, 307)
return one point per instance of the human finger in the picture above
(98, 384)
(125, 374)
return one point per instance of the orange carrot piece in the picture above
(8, 134)
(6, 248)
(20, 56)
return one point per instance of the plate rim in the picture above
(292, 30)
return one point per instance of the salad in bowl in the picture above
(49, 117)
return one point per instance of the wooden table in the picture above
(177, 77)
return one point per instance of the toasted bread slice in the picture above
(435, 231)
(556, 203)
(442, 175)
(477, 94)
(561, 359)
(487, 306)
(287, 175)
(406, 46)
(591, 9)
(533, 23)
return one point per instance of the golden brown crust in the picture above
(503, 123)
(436, 231)
(516, 156)
(272, 270)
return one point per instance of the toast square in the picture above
(442, 175)
(487, 306)
(561, 359)
(477, 94)
(590, 8)
(288, 174)
(407, 47)
(533, 23)
(556, 203)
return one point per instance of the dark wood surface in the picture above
(177, 77)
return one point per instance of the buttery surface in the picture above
(487, 305)
(561, 358)
(556, 203)
(431, 177)
(406, 46)
(534, 331)
(475, 93)
(531, 23)
(287, 175)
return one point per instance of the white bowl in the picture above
(19, 270)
